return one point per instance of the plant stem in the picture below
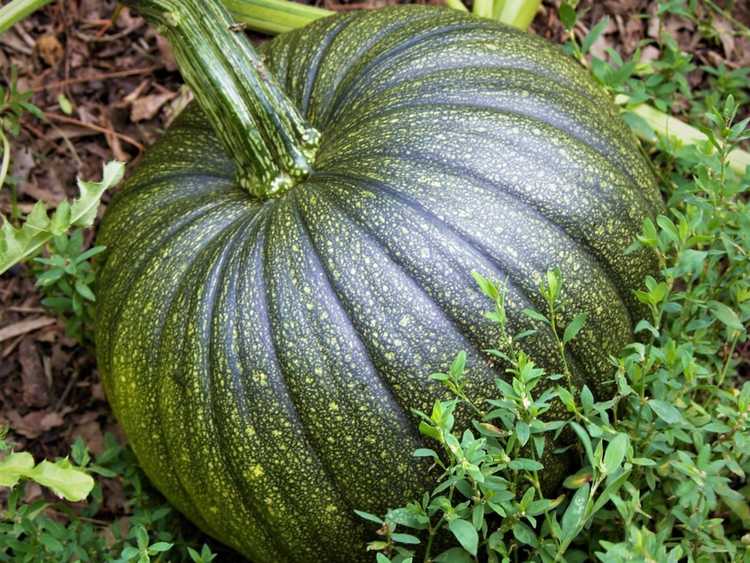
(6, 157)
(18, 10)
(517, 13)
(275, 16)
(261, 129)
(679, 132)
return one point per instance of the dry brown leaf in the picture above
(34, 383)
(50, 49)
(726, 35)
(148, 106)
(34, 423)
(91, 433)
(22, 327)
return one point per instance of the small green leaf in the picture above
(574, 514)
(594, 34)
(615, 453)
(368, 516)
(65, 105)
(668, 413)
(525, 464)
(405, 538)
(66, 481)
(568, 16)
(574, 327)
(465, 534)
(726, 315)
(14, 467)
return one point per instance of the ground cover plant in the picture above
(663, 463)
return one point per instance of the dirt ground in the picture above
(124, 88)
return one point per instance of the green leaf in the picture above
(18, 244)
(726, 315)
(568, 16)
(535, 315)
(454, 555)
(594, 34)
(668, 413)
(14, 467)
(368, 516)
(574, 327)
(66, 481)
(615, 453)
(574, 514)
(405, 538)
(525, 464)
(524, 534)
(65, 105)
(465, 534)
(583, 436)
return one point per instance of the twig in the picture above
(103, 130)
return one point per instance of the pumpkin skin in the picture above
(263, 357)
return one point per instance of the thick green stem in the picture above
(516, 13)
(679, 131)
(18, 10)
(274, 16)
(271, 144)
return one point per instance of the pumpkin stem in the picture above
(271, 143)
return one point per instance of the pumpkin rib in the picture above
(331, 155)
(251, 261)
(194, 306)
(367, 72)
(499, 267)
(479, 248)
(321, 51)
(248, 501)
(610, 153)
(176, 175)
(343, 74)
(264, 290)
(359, 92)
(459, 171)
(348, 315)
(154, 355)
(134, 272)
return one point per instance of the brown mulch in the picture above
(123, 85)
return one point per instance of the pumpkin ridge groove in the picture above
(273, 353)
(367, 71)
(368, 233)
(321, 52)
(220, 271)
(370, 42)
(607, 153)
(469, 241)
(304, 228)
(485, 183)
(177, 228)
(156, 354)
(174, 175)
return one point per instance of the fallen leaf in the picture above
(22, 327)
(34, 423)
(91, 433)
(148, 106)
(50, 49)
(34, 383)
(726, 35)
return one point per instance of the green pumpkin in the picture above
(264, 355)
